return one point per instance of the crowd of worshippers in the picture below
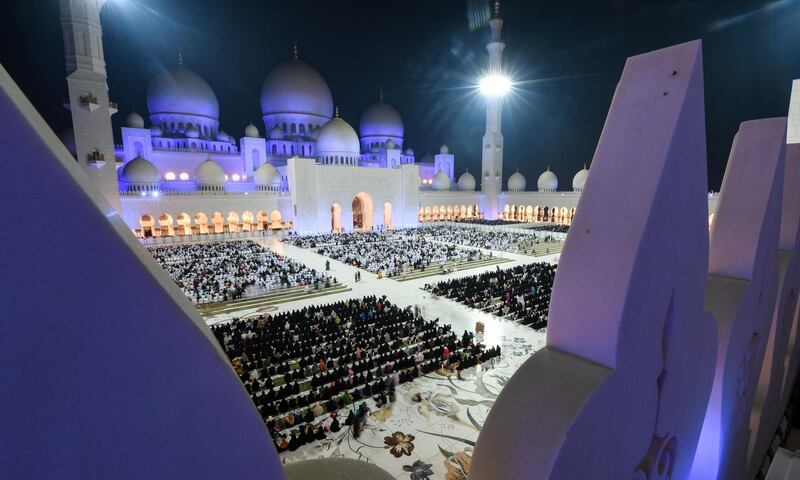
(388, 253)
(305, 368)
(222, 271)
(549, 228)
(474, 237)
(521, 293)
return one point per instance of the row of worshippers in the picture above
(469, 355)
(484, 221)
(475, 237)
(267, 343)
(222, 271)
(549, 228)
(520, 293)
(329, 239)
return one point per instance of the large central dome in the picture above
(381, 120)
(181, 91)
(295, 87)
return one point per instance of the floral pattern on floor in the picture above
(432, 439)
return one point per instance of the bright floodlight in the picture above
(495, 85)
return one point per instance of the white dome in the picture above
(441, 181)
(155, 131)
(251, 131)
(381, 120)
(182, 92)
(192, 132)
(409, 151)
(337, 137)
(223, 137)
(134, 120)
(140, 172)
(390, 145)
(548, 182)
(444, 150)
(579, 180)
(209, 174)
(517, 182)
(267, 176)
(466, 182)
(295, 87)
(276, 132)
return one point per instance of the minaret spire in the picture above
(337, 112)
(180, 56)
(295, 52)
(492, 147)
(380, 94)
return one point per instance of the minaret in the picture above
(88, 94)
(492, 156)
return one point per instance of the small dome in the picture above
(223, 137)
(374, 149)
(67, 137)
(381, 120)
(445, 150)
(276, 132)
(192, 132)
(517, 183)
(251, 131)
(295, 87)
(390, 145)
(134, 120)
(441, 181)
(183, 92)
(466, 182)
(267, 176)
(155, 131)
(409, 152)
(140, 172)
(209, 174)
(579, 180)
(337, 137)
(548, 182)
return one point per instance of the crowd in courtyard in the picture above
(222, 271)
(316, 370)
(521, 293)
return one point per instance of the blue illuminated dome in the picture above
(380, 123)
(295, 92)
(181, 97)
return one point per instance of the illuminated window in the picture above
(226, 178)
(184, 176)
(235, 177)
(169, 176)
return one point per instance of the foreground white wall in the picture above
(108, 371)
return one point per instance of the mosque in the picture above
(182, 174)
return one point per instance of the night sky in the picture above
(566, 57)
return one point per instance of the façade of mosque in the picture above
(304, 168)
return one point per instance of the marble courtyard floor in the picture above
(438, 434)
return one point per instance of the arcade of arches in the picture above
(165, 225)
(449, 212)
(530, 213)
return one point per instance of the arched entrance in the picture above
(387, 215)
(275, 220)
(336, 217)
(185, 222)
(362, 212)
(147, 223)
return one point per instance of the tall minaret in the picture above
(88, 94)
(492, 157)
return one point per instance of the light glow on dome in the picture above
(169, 176)
(235, 177)
(184, 176)
(495, 85)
